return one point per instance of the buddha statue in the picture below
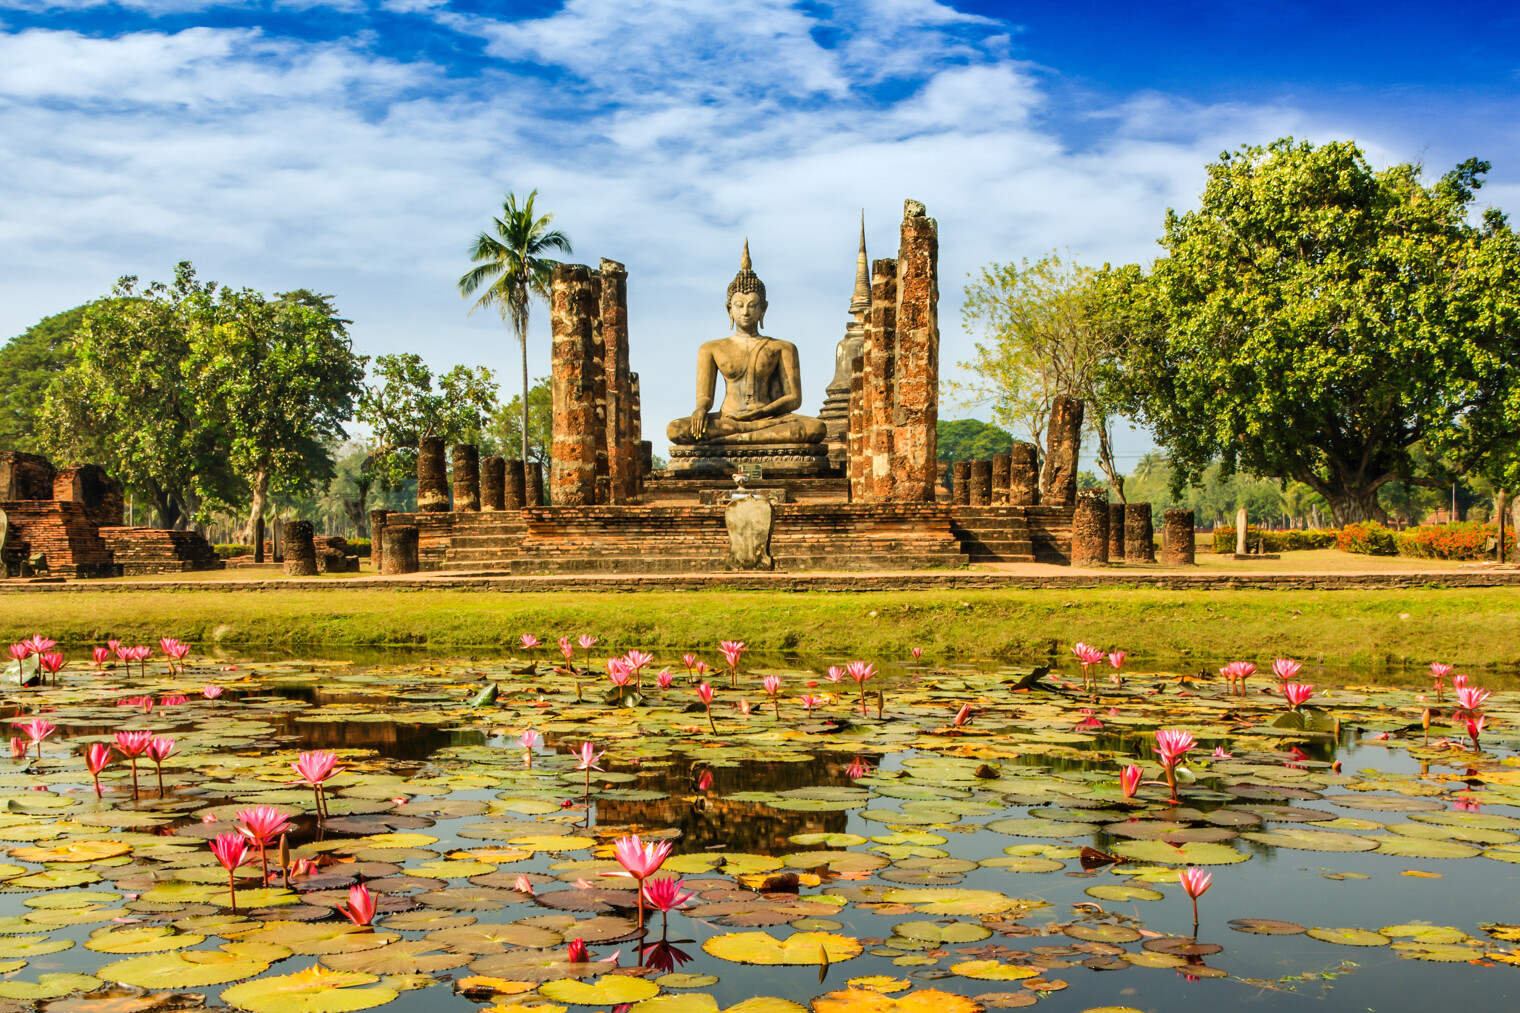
(762, 382)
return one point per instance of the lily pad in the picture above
(608, 990)
(314, 990)
(798, 948)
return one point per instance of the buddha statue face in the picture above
(747, 310)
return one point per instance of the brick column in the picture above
(981, 483)
(1023, 475)
(514, 486)
(572, 314)
(1089, 528)
(493, 483)
(376, 536)
(466, 478)
(1058, 481)
(432, 477)
(300, 550)
(917, 366)
(599, 403)
(1139, 536)
(621, 457)
(1177, 538)
(855, 459)
(878, 386)
(400, 549)
(533, 484)
(1002, 465)
(960, 488)
(1116, 532)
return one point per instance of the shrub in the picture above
(360, 547)
(1275, 541)
(1452, 541)
(228, 551)
(1369, 539)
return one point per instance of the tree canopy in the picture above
(403, 408)
(970, 440)
(28, 363)
(1316, 320)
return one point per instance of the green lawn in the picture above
(1472, 627)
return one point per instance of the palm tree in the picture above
(512, 271)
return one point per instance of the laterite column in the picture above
(432, 477)
(917, 367)
(1116, 532)
(878, 388)
(1139, 535)
(493, 477)
(1059, 479)
(1002, 466)
(466, 478)
(981, 483)
(1177, 538)
(960, 489)
(1023, 475)
(572, 315)
(1089, 528)
(515, 488)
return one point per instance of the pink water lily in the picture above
(523, 885)
(315, 768)
(52, 663)
(360, 908)
(231, 851)
(639, 861)
(19, 653)
(1470, 699)
(809, 702)
(529, 641)
(589, 756)
(158, 751)
(732, 651)
(705, 782)
(860, 671)
(1440, 671)
(772, 684)
(1195, 882)
(261, 824)
(132, 745)
(1297, 693)
(1474, 729)
(567, 649)
(587, 642)
(1236, 673)
(575, 952)
(705, 692)
(1220, 754)
(1129, 780)
(96, 759)
(1088, 656)
(636, 660)
(174, 651)
(664, 678)
(690, 661)
(835, 673)
(36, 730)
(1285, 668)
(211, 692)
(101, 656)
(665, 896)
(917, 652)
(858, 768)
(962, 716)
(1172, 744)
(529, 741)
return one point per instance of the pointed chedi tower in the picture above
(836, 402)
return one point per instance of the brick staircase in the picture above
(489, 540)
(1013, 534)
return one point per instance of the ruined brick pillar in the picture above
(493, 487)
(515, 486)
(1058, 482)
(533, 484)
(636, 433)
(917, 367)
(1116, 532)
(400, 549)
(854, 439)
(99, 493)
(942, 482)
(432, 477)
(981, 483)
(300, 550)
(879, 352)
(376, 535)
(1002, 464)
(1139, 535)
(1089, 528)
(622, 482)
(960, 488)
(466, 478)
(1023, 475)
(1177, 538)
(599, 404)
(646, 458)
(572, 317)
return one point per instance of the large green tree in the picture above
(403, 407)
(504, 427)
(513, 270)
(1316, 319)
(28, 363)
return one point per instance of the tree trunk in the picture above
(1106, 460)
(522, 344)
(165, 508)
(260, 502)
(1499, 518)
(1356, 506)
(1514, 525)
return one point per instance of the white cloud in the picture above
(661, 133)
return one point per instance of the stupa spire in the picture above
(860, 301)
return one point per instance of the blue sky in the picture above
(354, 146)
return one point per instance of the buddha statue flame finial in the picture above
(746, 280)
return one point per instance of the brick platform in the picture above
(62, 531)
(141, 551)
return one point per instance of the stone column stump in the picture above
(1023, 475)
(1139, 535)
(1059, 480)
(960, 489)
(1002, 467)
(515, 496)
(1116, 532)
(1089, 528)
(432, 477)
(1177, 538)
(300, 550)
(493, 489)
(981, 483)
(376, 536)
(466, 478)
(533, 484)
(400, 549)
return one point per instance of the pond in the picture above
(964, 840)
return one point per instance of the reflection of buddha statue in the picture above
(762, 384)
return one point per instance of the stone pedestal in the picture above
(300, 550)
(377, 536)
(400, 549)
(432, 477)
(916, 409)
(466, 478)
(1002, 466)
(750, 520)
(960, 487)
(723, 460)
(533, 483)
(1139, 535)
(515, 488)
(981, 483)
(572, 316)
(493, 479)
(1023, 475)
(1177, 538)
(1059, 478)
(1089, 528)
(1116, 532)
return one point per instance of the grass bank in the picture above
(1475, 627)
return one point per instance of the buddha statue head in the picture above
(746, 295)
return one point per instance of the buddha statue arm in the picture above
(791, 390)
(707, 381)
